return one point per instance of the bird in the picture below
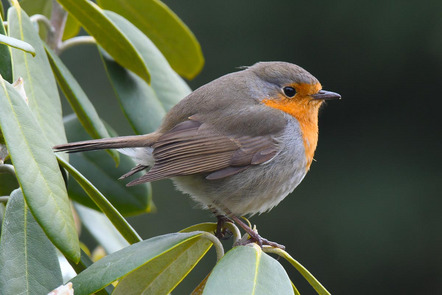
(237, 145)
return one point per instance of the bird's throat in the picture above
(306, 112)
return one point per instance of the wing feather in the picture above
(192, 147)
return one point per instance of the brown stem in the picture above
(58, 21)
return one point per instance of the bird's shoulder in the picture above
(228, 108)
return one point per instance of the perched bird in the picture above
(237, 145)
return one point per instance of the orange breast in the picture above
(305, 110)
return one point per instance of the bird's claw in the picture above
(256, 238)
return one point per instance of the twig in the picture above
(58, 22)
(76, 41)
(40, 18)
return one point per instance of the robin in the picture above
(237, 145)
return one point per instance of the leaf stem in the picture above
(76, 41)
(216, 242)
(40, 18)
(58, 22)
(4, 199)
(235, 231)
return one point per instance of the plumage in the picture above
(237, 144)
(191, 148)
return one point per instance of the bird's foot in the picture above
(222, 233)
(254, 237)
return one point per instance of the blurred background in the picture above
(366, 219)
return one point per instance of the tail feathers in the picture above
(108, 143)
(134, 170)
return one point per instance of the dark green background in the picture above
(366, 219)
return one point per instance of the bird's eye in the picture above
(289, 91)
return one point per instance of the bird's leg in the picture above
(221, 233)
(254, 236)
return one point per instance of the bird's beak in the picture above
(326, 95)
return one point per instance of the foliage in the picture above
(143, 45)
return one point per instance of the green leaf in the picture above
(165, 29)
(118, 264)
(2, 10)
(79, 101)
(319, 288)
(40, 86)
(71, 28)
(249, 271)
(137, 99)
(98, 167)
(105, 206)
(100, 227)
(143, 104)
(93, 20)
(37, 171)
(5, 56)
(295, 290)
(209, 227)
(28, 260)
(84, 263)
(18, 44)
(32, 7)
(164, 273)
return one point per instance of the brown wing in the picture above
(192, 147)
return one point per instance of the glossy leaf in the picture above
(105, 206)
(164, 273)
(209, 227)
(79, 101)
(71, 28)
(295, 290)
(28, 260)
(5, 57)
(117, 265)
(137, 99)
(168, 85)
(166, 30)
(249, 271)
(143, 104)
(43, 7)
(100, 227)
(39, 82)
(98, 167)
(17, 44)
(319, 288)
(37, 171)
(93, 20)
